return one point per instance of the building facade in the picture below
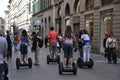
(19, 16)
(7, 25)
(42, 17)
(2, 24)
(98, 17)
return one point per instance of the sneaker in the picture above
(22, 62)
(64, 67)
(70, 66)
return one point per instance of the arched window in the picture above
(77, 6)
(59, 12)
(67, 10)
(89, 4)
(105, 2)
(49, 20)
(45, 25)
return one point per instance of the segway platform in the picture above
(57, 59)
(81, 63)
(67, 68)
(20, 64)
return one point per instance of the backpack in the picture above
(40, 42)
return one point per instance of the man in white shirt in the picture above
(3, 52)
(112, 46)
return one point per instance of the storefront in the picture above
(89, 24)
(106, 24)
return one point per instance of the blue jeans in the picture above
(68, 49)
(86, 53)
(23, 49)
(1, 71)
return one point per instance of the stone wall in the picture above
(116, 24)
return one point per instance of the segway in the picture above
(5, 72)
(20, 64)
(54, 59)
(81, 63)
(57, 59)
(67, 68)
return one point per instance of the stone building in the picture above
(42, 17)
(2, 24)
(98, 17)
(19, 16)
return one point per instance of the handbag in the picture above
(107, 50)
(33, 49)
(48, 44)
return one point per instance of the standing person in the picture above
(46, 41)
(87, 46)
(24, 46)
(112, 46)
(60, 41)
(53, 38)
(68, 40)
(16, 41)
(104, 45)
(36, 48)
(9, 39)
(3, 53)
(80, 42)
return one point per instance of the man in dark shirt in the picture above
(9, 41)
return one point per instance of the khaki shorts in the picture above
(53, 47)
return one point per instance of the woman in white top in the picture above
(87, 46)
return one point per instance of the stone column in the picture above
(116, 23)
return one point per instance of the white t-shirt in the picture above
(111, 42)
(86, 38)
(3, 45)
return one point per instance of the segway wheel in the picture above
(60, 68)
(80, 62)
(30, 62)
(74, 68)
(91, 63)
(58, 58)
(48, 58)
(5, 69)
(17, 63)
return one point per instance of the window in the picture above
(105, 2)
(89, 4)
(107, 22)
(67, 10)
(49, 19)
(29, 7)
(77, 6)
(90, 24)
(59, 12)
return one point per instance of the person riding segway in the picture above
(53, 39)
(68, 64)
(86, 60)
(23, 49)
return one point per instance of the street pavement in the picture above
(100, 71)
